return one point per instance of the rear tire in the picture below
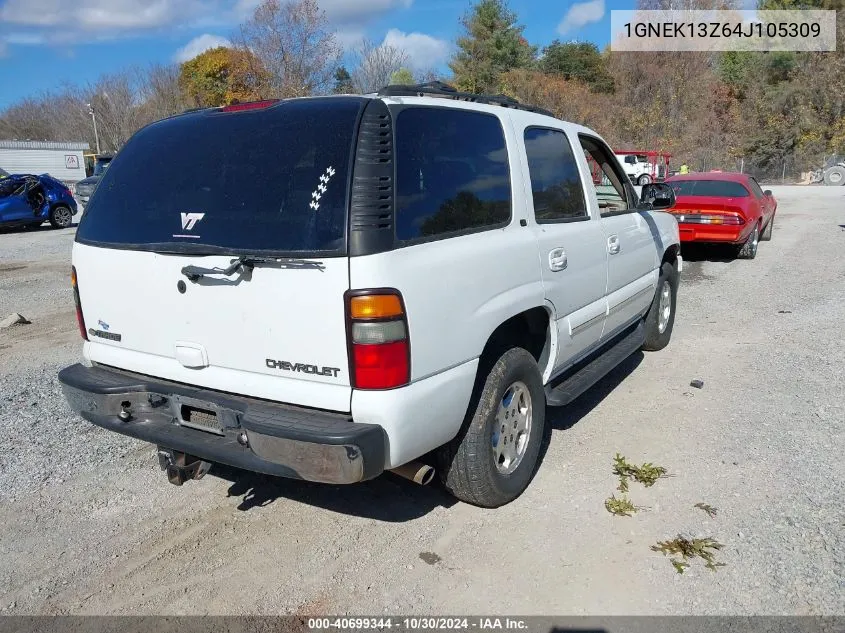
(493, 458)
(766, 235)
(749, 249)
(660, 319)
(61, 217)
(835, 176)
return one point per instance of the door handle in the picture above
(557, 260)
(613, 246)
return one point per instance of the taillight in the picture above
(252, 105)
(74, 281)
(709, 218)
(379, 348)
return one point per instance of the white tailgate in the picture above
(293, 318)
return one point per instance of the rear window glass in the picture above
(8, 186)
(713, 188)
(452, 173)
(272, 180)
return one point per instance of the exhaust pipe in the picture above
(417, 472)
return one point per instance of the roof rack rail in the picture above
(440, 89)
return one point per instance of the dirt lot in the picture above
(91, 526)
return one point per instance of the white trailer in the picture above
(63, 161)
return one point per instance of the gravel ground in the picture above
(91, 526)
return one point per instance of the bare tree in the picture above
(427, 76)
(293, 42)
(376, 65)
(160, 93)
(26, 120)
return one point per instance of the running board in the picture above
(589, 373)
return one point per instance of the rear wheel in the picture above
(61, 217)
(749, 249)
(766, 235)
(645, 179)
(493, 458)
(661, 316)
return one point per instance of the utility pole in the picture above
(94, 119)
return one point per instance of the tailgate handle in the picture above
(191, 355)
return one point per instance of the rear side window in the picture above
(713, 188)
(555, 182)
(452, 173)
(755, 188)
(273, 180)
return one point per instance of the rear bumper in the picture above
(713, 233)
(281, 440)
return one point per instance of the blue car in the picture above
(27, 200)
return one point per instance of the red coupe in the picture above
(723, 207)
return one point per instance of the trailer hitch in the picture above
(181, 467)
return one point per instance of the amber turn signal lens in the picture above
(375, 307)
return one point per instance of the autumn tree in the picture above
(492, 44)
(294, 45)
(580, 61)
(221, 76)
(569, 100)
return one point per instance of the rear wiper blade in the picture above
(246, 263)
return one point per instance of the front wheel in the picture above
(660, 318)
(61, 217)
(493, 458)
(645, 179)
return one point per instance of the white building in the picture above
(63, 161)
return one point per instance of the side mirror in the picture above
(657, 195)
(767, 192)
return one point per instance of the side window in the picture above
(452, 173)
(608, 180)
(555, 182)
(755, 188)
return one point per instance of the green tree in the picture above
(221, 76)
(492, 44)
(402, 77)
(581, 61)
(342, 82)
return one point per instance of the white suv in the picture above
(328, 288)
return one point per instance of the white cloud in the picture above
(350, 39)
(96, 15)
(28, 39)
(344, 11)
(199, 45)
(100, 20)
(339, 11)
(424, 51)
(580, 14)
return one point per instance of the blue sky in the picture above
(45, 43)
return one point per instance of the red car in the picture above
(723, 207)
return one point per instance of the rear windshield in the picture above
(713, 188)
(273, 180)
